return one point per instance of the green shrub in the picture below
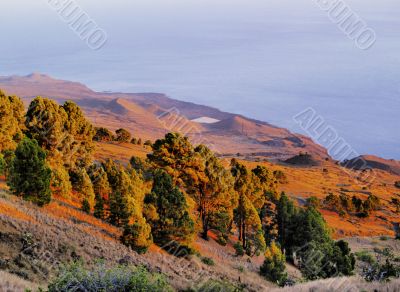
(217, 286)
(397, 184)
(239, 248)
(383, 238)
(382, 272)
(273, 267)
(365, 257)
(208, 261)
(121, 278)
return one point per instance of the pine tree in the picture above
(103, 135)
(101, 188)
(273, 267)
(172, 222)
(79, 152)
(82, 184)
(60, 181)
(137, 235)
(247, 218)
(2, 164)
(86, 206)
(284, 218)
(213, 192)
(122, 135)
(45, 122)
(29, 176)
(175, 155)
(11, 121)
(99, 207)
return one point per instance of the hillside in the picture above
(151, 115)
(370, 161)
(223, 213)
(304, 181)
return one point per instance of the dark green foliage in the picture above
(381, 272)
(397, 184)
(343, 259)
(29, 176)
(99, 207)
(172, 222)
(133, 236)
(119, 213)
(122, 135)
(148, 143)
(285, 212)
(121, 278)
(217, 286)
(2, 164)
(343, 205)
(313, 202)
(239, 248)
(208, 261)
(142, 167)
(11, 121)
(280, 176)
(366, 257)
(396, 203)
(86, 206)
(274, 267)
(103, 135)
(305, 237)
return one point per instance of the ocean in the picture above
(267, 60)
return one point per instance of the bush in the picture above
(121, 278)
(397, 184)
(137, 236)
(378, 272)
(208, 261)
(122, 135)
(239, 248)
(273, 267)
(103, 135)
(365, 257)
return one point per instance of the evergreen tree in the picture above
(102, 190)
(213, 192)
(175, 155)
(172, 222)
(247, 218)
(11, 121)
(29, 176)
(103, 135)
(122, 135)
(45, 122)
(82, 184)
(2, 165)
(77, 153)
(284, 218)
(99, 207)
(60, 182)
(273, 267)
(86, 206)
(137, 235)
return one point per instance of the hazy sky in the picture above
(265, 59)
